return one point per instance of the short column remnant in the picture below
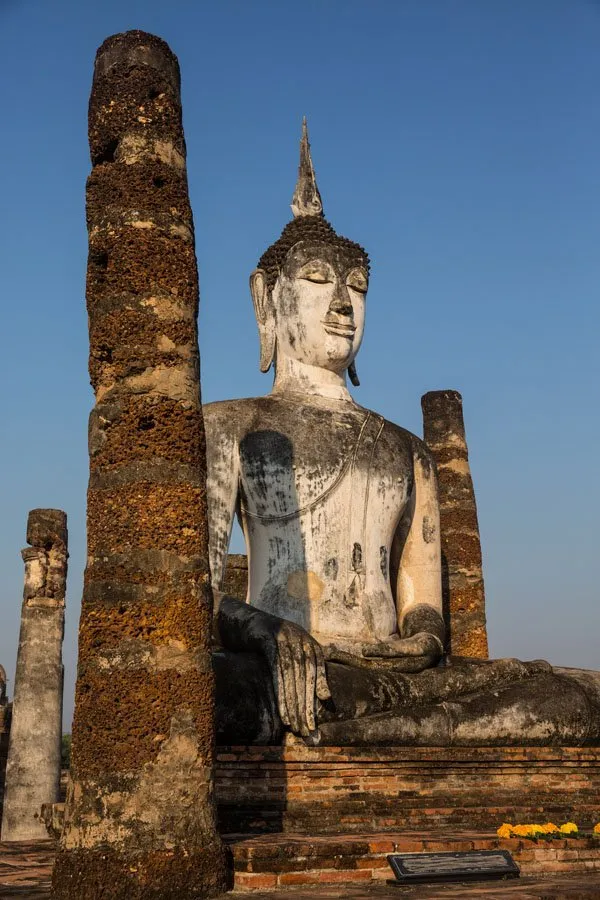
(5, 717)
(140, 820)
(33, 766)
(464, 595)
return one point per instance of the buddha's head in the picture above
(309, 289)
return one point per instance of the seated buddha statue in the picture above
(341, 637)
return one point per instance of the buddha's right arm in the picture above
(222, 484)
(294, 658)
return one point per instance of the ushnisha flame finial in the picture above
(306, 200)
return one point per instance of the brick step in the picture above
(275, 861)
(359, 816)
(354, 866)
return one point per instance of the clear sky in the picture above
(458, 140)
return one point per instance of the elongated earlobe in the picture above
(265, 318)
(352, 374)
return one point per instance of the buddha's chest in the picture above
(307, 460)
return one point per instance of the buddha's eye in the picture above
(357, 280)
(316, 278)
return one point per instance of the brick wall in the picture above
(323, 790)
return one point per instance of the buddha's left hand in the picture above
(422, 644)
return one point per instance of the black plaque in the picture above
(473, 865)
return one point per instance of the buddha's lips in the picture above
(344, 329)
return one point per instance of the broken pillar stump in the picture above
(140, 819)
(462, 573)
(33, 765)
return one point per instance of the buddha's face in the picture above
(319, 306)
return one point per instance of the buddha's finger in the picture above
(289, 675)
(417, 645)
(294, 691)
(280, 693)
(300, 688)
(310, 670)
(382, 650)
(323, 692)
(276, 669)
(411, 646)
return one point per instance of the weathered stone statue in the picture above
(342, 634)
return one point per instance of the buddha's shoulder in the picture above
(396, 436)
(237, 416)
(228, 412)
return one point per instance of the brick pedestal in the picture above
(334, 789)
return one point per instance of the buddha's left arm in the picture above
(419, 581)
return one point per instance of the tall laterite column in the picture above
(140, 817)
(463, 589)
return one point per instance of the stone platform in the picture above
(431, 789)
(270, 862)
(25, 871)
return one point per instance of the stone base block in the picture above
(153, 874)
(340, 789)
(274, 862)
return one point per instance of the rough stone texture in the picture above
(140, 820)
(462, 574)
(235, 581)
(33, 767)
(341, 789)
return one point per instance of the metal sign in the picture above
(474, 865)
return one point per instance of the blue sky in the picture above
(457, 140)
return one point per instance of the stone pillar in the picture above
(140, 816)
(464, 596)
(5, 718)
(33, 766)
(235, 581)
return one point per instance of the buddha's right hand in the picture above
(298, 671)
(295, 659)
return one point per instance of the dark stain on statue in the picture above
(383, 562)
(267, 458)
(331, 568)
(428, 530)
(423, 456)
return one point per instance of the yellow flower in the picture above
(550, 828)
(522, 830)
(505, 830)
(597, 828)
(569, 828)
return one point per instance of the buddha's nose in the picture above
(340, 302)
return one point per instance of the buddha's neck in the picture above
(294, 377)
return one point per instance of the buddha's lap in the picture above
(502, 701)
